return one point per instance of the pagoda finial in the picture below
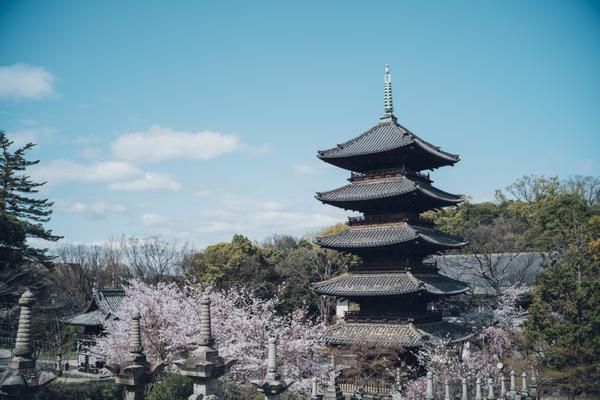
(387, 96)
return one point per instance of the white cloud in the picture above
(22, 81)
(153, 220)
(262, 218)
(61, 171)
(98, 209)
(159, 144)
(149, 181)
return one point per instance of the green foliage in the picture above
(21, 215)
(564, 317)
(171, 387)
(81, 391)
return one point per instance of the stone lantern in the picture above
(272, 385)
(204, 365)
(22, 378)
(136, 372)
(333, 391)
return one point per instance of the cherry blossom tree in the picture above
(445, 360)
(241, 324)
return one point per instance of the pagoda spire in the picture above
(387, 96)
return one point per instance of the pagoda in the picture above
(388, 299)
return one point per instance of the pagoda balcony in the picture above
(389, 173)
(392, 317)
(388, 218)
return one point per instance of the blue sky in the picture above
(197, 120)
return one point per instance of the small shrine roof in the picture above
(394, 335)
(380, 235)
(389, 284)
(104, 305)
(382, 188)
(383, 137)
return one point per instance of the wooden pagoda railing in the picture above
(415, 316)
(389, 172)
(388, 218)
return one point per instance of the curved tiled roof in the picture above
(384, 136)
(382, 188)
(104, 305)
(405, 335)
(387, 235)
(389, 284)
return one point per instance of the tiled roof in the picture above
(109, 300)
(405, 335)
(92, 318)
(104, 305)
(389, 284)
(382, 188)
(383, 137)
(387, 235)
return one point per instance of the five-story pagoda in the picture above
(389, 294)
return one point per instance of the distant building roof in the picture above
(508, 268)
(406, 335)
(104, 305)
(389, 284)
(387, 136)
(380, 235)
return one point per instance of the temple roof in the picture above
(385, 188)
(380, 235)
(389, 284)
(384, 137)
(104, 305)
(405, 335)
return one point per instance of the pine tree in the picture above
(22, 216)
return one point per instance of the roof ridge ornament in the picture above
(387, 97)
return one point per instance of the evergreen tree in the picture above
(564, 317)
(22, 216)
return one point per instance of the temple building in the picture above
(104, 305)
(388, 299)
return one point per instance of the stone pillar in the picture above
(513, 385)
(524, 388)
(204, 365)
(446, 389)
(135, 373)
(502, 387)
(429, 390)
(272, 385)
(314, 393)
(22, 378)
(478, 389)
(533, 386)
(333, 391)
(490, 395)
(464, 390)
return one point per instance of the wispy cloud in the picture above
(95, 210)
(153, 220)
(159, 144)
(61, 171)
(22, 81)
(149, 181)
(261, 218)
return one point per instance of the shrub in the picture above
(171, 387)
(82, 391)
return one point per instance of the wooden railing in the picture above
(368, 386)
(388, 218)
(389, 172)
(417, 316)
